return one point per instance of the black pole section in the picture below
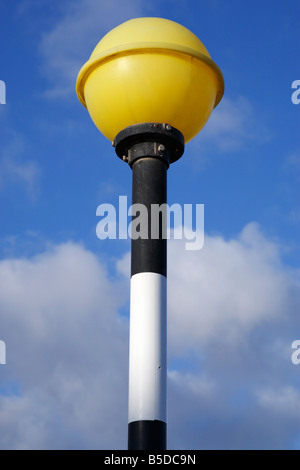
(149, 149)
(149, 187)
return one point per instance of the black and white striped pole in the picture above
(149, 149)
(150, 86)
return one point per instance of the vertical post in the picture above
(148, 330)
(149, 149)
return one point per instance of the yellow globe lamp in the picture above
(150, 70)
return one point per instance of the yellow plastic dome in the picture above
(150, 70)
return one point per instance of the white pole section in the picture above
(148, 348)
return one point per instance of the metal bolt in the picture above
(161, 148)
(125, 159)
(168, 127)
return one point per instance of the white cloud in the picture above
(67, 347)
(227, 288)
(232, 316)
(66, 47)
(123, 265)
(201, 387)
(23, 423)
(229, 118)
(233, 125)
(285, 401)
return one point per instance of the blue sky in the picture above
(233, 306)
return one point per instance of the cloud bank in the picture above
(232, 311)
